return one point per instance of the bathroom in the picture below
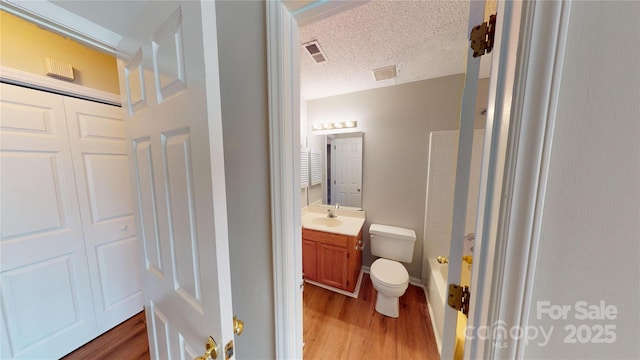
(395, 121)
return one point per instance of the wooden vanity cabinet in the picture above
(309, 256)
(331, 259)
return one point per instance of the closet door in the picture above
(47, 305)
(98, 146)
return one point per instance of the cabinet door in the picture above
(309, 256)
(100, 161)
(47, 305)
(333, 266)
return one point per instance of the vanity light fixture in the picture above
(335, 125)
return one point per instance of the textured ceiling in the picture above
(424, 39)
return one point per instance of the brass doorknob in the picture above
(211, 352)
(238, 326)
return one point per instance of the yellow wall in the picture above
(24, 46)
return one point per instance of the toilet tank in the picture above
(392, 242)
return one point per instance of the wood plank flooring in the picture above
(340, 327)
(127, 341)
(335, 327)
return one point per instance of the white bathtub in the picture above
(436, 286)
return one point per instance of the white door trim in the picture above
(501, 85)
(39, 82)
(509, 86)
(525, 96)
(284, 143)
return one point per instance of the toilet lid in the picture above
(389, 272)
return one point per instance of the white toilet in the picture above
(389, 277)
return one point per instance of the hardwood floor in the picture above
(340, 327)
(335, 327)
(127, 341)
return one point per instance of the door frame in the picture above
(284, 145)
(521, 115)
(522, 106)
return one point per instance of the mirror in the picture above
(335, 169)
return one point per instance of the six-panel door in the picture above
(170, 86)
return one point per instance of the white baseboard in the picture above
(354, 294)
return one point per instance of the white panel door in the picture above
(347, 168)
(47, 305)
(454, 322)
(168, 68)
(99, 149)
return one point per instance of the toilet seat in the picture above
(390, 273)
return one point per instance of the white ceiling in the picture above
(424, 39)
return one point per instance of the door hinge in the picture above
(482, 37)
(459, 298)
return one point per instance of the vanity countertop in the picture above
(342, 224)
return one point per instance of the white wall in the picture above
(243, 85)
(443, 152)
(396, 122)
(590, 237)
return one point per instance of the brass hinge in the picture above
(459, 298)
(482, 37)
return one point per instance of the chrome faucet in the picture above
(332, 212)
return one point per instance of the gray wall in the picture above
(243, 80)
(589, 246)
(396, 122)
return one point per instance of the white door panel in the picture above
(454, 322)
(348, 171)
(175, 132)
(47, 305)
(99, 149)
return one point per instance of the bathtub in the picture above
(436, 287)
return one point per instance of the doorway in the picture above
(370, 150)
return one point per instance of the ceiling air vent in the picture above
(314, 50)
(384, 73)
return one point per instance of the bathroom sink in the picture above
(326, 221)
(343, 224)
